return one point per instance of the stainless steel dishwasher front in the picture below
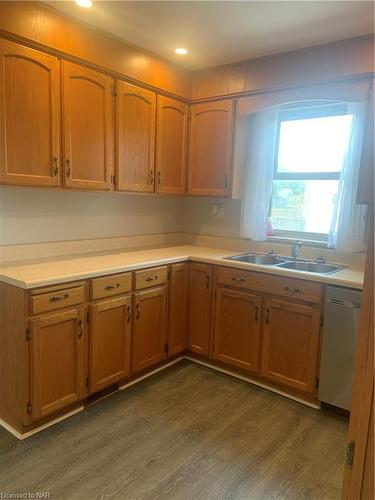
(341, 316)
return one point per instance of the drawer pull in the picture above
(138, 311)
(256, 313)
(289, 289)
(151, 278)
(207, 281)
(56, 298)
(242, 280)
(111, 287)
(80, 329)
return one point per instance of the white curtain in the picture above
(257, 188)
(349, 219)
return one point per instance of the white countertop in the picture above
(40, 272)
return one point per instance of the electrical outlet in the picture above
(218, 211)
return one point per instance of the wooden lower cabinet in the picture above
(110, 342)
(149, 322)
(290, 344)
(237, 329)
(200, 303)
(178, 308)
(57, 361)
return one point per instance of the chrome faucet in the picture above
(295, 249)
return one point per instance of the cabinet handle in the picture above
(151, 278)
(159, 177)
(80, 328)
(207, 281)
(55, 169)
(242, 280)
(152, 177)
(267, 316)
(256, 313)
(226, 181)
(289, 289)
(138, 311)
(129, 311)
(111, 287)
(68, 168)
(56, 298)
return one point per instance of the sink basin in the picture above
(311, 267)
(253, 258)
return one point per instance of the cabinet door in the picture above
(136, 118)
(171, 139)
(177, 308)
(237, 329)
(29, 116)
(87, 128)
(57, 361)
(200, 308)
(110, 341)
(210, 148)
(149, 335)
(290, 344)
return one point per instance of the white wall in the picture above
(40, 215)
(198, 218)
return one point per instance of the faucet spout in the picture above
(296, 249)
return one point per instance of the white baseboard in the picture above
(20, 436)
(27, 434)
(146, 375)
(254, 382)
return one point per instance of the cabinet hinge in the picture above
(316, 383)
(113, 179)
(29, 408)
(88, 317)
(166, 348)
(350, 449)
(169, 275)
(28, 334)
(321, 321)
(87, 382)
(114, 92)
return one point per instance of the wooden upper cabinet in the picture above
(200, 298)
(171, 141)
(110, 341)
(149, 328)
(177, 308)
(57, 361)
(88, 142)
(238, 318)
(290, 344)
(210, 148)
(136, 120)
(29, 116)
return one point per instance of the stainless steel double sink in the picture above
(286, 263)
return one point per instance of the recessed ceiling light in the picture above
(84, 3)
(181, 51)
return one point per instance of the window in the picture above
(310, 151)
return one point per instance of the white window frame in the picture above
(298, 114)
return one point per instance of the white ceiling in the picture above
(219, 32)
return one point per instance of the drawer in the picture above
(110, 285)
(151, 277)
(306, 291)
(57, 299)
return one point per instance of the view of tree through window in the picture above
(312, 145)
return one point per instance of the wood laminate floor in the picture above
(187, 433)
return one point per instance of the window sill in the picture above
(306, 242)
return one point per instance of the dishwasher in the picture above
(342, 307)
